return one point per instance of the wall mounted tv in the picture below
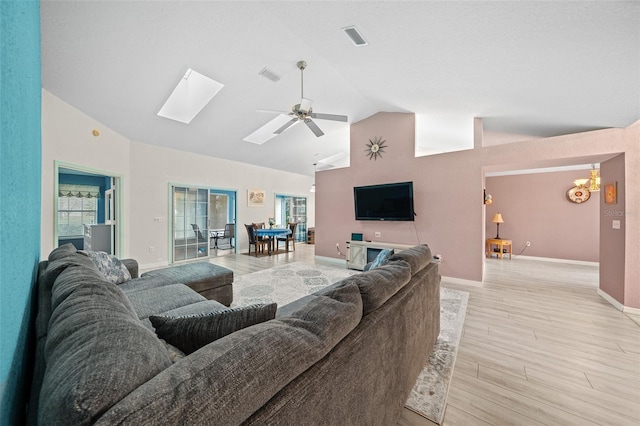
(391, 201)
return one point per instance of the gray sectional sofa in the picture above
(348, 354)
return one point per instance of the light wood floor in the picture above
(539, 347)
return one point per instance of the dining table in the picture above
(272, 234)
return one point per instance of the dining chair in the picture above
(259, 225)
(228, 234)
(289, 238)
(254, 241)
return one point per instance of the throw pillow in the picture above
(191, 332)
(381, 259)
(111, 267)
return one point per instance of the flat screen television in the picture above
(391, 201)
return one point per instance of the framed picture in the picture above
(255, 197)
(611, 193)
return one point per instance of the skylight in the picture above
(192, 93)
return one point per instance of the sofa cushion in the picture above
(379, 284)
(62, 252)
(159, 300)
(96, 352)
(229, 379)
(418, 257)
(200, 276)
(191, 332)
(110, 266)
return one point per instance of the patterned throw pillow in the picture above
(111, 267)
(381, 259)
(191, 332)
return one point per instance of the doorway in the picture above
(88, 209)
(222, 222)
(290, 208)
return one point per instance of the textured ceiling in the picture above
(534, 68)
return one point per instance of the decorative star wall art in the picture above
(375, 148)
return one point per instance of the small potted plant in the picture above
(272, 222)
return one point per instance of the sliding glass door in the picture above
(293, 209)
(222, 220)
(190, 219)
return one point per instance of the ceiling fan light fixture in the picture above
(299, 112)
(355, 36)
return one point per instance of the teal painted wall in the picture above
(20, 176)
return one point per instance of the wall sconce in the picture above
(487, 198)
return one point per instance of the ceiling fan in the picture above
(303, 111)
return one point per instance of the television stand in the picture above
(359, 253)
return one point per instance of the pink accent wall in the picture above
(448, 191)
(612, 241)
(535, 208)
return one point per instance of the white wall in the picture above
(147, 172)
(154, 168)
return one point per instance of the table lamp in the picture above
(497, 219)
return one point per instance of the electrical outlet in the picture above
(528, 244)
(377, 235)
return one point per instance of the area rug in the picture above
(429, 395)
(286, 283)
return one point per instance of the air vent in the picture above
(270, 75)
(355, 36)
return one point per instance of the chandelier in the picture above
(592, 183)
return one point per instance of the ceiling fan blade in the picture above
(314, 127)
(305, 104)
(332, 117)
(286, 126)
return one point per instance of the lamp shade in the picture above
(497, 218)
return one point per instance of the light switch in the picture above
(615, 224)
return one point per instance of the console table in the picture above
(359, 253)
(504, 247)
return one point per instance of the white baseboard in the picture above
(632, 311)
(552, 259)
(619, 306)
(462, 281)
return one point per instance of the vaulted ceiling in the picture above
(533, 68)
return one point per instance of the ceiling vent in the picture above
(355, 36)
(269, 75)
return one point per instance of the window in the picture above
(77, 205)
